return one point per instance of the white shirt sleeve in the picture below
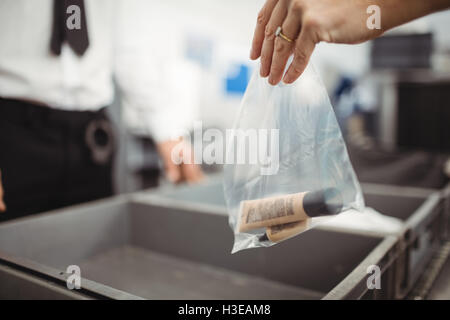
(145, 72)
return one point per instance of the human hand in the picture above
(2, 203)
(308, 22)
(186, 171)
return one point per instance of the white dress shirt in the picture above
(124, 48)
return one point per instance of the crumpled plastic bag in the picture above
(286, 162)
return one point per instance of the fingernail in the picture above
(262, 72)
(287, 79)
(272, 81)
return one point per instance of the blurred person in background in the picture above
(59, 61)
(294, 27)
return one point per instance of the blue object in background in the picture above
(343, 102)
(236, 82)
(344, 85)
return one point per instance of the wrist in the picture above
(397, 12)
(437, 5)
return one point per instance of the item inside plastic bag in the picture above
(286, 163)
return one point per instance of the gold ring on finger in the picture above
(279, 33)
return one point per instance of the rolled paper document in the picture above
(277, 210)
(287, 230)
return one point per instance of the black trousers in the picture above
(45, 161)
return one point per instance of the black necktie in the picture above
(69, 24)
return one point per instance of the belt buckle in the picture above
(99, 138)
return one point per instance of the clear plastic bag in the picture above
(295, 172)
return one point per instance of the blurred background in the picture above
(391, 95)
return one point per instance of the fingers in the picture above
(283, 48)
(178, 159)
(2, 204)
(275, 51)
(184, 172)
(303, 49)
(277, 18)
(192, 173)
(263, 19)
(172, 172)
(189, 171)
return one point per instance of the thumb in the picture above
(172, 171)
(173, 154)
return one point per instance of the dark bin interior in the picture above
(159, 252)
